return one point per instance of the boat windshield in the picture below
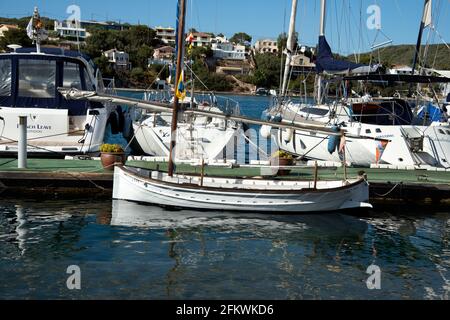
(37, 78)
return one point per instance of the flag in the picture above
(30, 30)
(380, 150)
(181, 90)
(427, 14)
(190, 40)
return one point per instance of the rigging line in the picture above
(42, 137)
(254, 145)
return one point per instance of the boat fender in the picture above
(334, 141)
(266, 131)
(288, 135)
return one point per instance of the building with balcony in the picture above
(228, 51)
(202, 39)
(266, 46)
(71, 29)
(166, 35)
(120, 59)
(162, 56)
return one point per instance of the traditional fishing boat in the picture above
(240, 194)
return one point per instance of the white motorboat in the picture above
(29, 82)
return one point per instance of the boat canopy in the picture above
(407, 78)
(327, 64)
(30, 80)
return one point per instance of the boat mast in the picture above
(180, 61)
(323, 6)
(289, 47)
(426, 21)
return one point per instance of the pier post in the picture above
(22, 143)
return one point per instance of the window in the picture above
(37, 78)
(72, 77)
(441, 131)
(5, 78)
(378, 130)
(368, 131)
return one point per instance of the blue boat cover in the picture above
(327, 64)
(431, 112)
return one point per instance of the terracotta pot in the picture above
(109, 160)
(282, 162)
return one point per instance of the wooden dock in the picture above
(87, 178)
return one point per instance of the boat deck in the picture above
(54, 177)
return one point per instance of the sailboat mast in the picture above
(323, 13)
(425, 22)
(180, 61)
(289, 47)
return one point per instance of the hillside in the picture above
(438, 56)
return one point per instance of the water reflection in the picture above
(131, 251)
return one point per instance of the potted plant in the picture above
(282, 159)
(111, 155)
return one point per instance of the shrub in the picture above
(111, 148)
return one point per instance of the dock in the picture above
(87, 178)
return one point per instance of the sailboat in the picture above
(199, 137)
(232, 194)
(388, 130)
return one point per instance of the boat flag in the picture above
(181, 90)
(427, 14)
(381, 147)
(190, 40)
(30, 29)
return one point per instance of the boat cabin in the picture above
(31, 80)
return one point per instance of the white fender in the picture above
(266, 131)
(288, 135)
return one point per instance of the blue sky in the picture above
(260, 18)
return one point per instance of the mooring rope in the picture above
(388, 193)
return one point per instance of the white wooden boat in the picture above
(231, 194)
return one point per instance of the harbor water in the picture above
(130, 251)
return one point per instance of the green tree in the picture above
(282, 42)
(15, 36)
(241, 38)
(267, 73)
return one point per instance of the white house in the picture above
(6, 27)
(266, 46)
(71, 29)
(120, 59)
(162, 56)
(166, 35)
(228, 51)
(202, 39)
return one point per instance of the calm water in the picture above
(128, 251)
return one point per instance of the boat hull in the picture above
(154, 189)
